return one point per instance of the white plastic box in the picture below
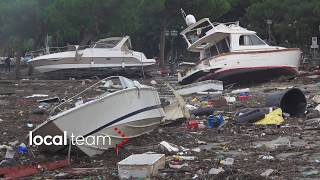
(141, 166)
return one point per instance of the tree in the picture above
(167, 14)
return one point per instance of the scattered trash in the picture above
(13, 143)
(310, 173)
(200, 87)
(227, 161)
(141, 166)
(1, 120)
(22, 148)
(37, 96)
(267, 172)
(184, 158)
(177, 166)
(169, 147)
(317, 107)
(203, 111)
(49, 100)
(215, 171)
(246, 90)
(190, 107)
(63, 175)
(274, 144)
(192, 124)
(244, 96)
(215, 121)
(153, 82)
(250, 116)
(268, 157)
(275, 117)
(9, 153)
(316, 99)
(291, 101)
(230, 99)
(29, 125)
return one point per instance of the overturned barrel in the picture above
(291, 101)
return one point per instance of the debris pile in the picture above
(245, 133)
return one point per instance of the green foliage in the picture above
(26, 23)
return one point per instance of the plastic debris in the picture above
(192, 124)
(230, 99)
(185, 158)
(227, 161)
(37, 95)
(267, 172)
(22, 148)
(275, 117)
(29, 125)
(9, 153)
(215, 171)
(317, 108)
(153, 82)
(190, 107)
(215, 121)
(250, 116)
(169, 147)
(178, 166)
(316, 99)
(240, 91)
(310, 173)
(268, 157)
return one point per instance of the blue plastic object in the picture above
(215, 121)
(22, 148)
(211, 120)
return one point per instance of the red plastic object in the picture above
(192, 124)
(243, 98)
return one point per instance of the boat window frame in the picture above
(105, 43)
(250, 42)
(209, 49)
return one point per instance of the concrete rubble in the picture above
(226, 150)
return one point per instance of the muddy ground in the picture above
(297, 157)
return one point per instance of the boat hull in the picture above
(245, 67)
(90, 58)
(132, 111)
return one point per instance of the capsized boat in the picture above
(233, 54)
(111, 53)
(124, 105)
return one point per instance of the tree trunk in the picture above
(162, 42)
(17, 57)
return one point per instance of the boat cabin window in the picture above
(218, 48)
(106, 44)
(250, 40)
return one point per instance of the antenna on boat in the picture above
(190, 19)
(183, 13)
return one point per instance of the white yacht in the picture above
(231, 53)
(113, 52)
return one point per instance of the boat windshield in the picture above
(220, 47)
(106, 43)
(250, 40)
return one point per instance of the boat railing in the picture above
(51, 50)
(236, 23)
(92, 92)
